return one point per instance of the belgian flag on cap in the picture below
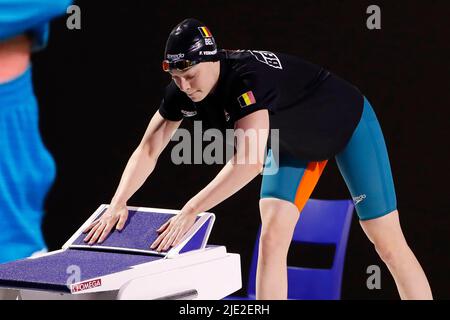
(205, 32)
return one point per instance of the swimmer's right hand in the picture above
(100, 228)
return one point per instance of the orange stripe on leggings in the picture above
(308, 182)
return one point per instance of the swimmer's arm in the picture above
(17, 17)
(242, 167)
(143, 160)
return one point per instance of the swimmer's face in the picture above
(198, 81)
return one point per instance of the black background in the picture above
(99, 86)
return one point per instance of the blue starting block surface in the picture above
(53, 272)
(138, 233)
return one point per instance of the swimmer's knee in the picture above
(279, 218)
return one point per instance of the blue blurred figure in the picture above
(27, 169)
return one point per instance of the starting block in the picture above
(124, 266)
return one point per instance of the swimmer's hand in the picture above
(173, 230)
(100, 228)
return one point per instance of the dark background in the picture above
(99, 86)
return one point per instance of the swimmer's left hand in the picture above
(173, 230)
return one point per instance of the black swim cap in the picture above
(189, 43)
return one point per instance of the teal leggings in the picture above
(363, 163)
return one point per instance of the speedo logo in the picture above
(358, 199)
(188, 113)
(175, 56)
